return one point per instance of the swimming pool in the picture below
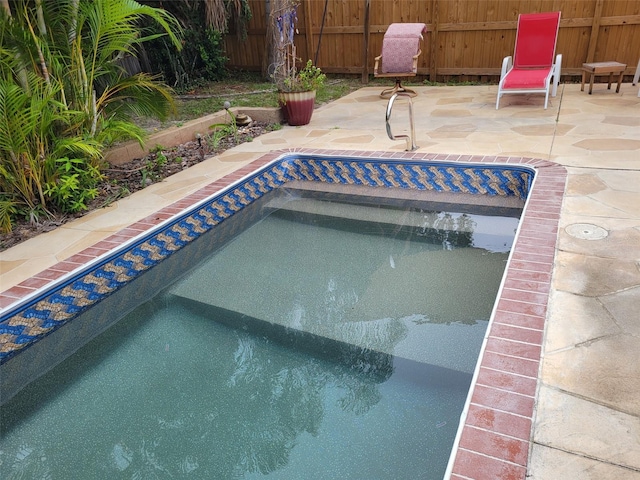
(325, 326)
(444, 175)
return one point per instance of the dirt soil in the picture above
(123, 180)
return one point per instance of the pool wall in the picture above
(498, 416)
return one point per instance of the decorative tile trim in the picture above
(478, 180)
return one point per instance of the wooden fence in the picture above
(466, 39)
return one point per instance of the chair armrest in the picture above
(376, 64)
(507, 64)
(557, 67)
(414, 67)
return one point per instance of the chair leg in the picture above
(397, 88)
(546, 99)
(557, 71)
(637, 75)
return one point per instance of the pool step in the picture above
(414, 301)
(494, 233)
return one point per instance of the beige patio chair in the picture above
(399, 58)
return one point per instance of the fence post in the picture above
(365, 53)
(433, 64)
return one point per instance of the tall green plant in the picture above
(32, 141)
(105, 32)
(22, 172)
(65, 95)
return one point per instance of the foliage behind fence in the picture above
(467, 39)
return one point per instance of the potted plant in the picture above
(296, 87)
(297, 95)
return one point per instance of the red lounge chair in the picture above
(532, 68)
(400, 52)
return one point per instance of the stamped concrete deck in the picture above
(587, 423)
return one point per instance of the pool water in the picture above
(310, 346)
(170, 393)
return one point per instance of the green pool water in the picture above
(313, 346)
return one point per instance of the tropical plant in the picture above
(219, 13)
(66, 95)
(33, 139)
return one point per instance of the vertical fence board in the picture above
(595, 30)
(433, 39)
(308, 31)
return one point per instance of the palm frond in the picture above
(8, 208)
(151, 98)
(113, 130)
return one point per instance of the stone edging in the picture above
(174, 136)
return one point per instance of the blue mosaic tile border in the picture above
(441, 177)
(25, 325)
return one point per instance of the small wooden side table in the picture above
(602, 68)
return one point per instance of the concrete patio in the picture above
(587, 424)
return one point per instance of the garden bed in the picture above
(128, 175)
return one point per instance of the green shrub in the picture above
(202, 57)
(74, 184)
(211, 51)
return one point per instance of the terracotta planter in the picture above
(297, 107)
